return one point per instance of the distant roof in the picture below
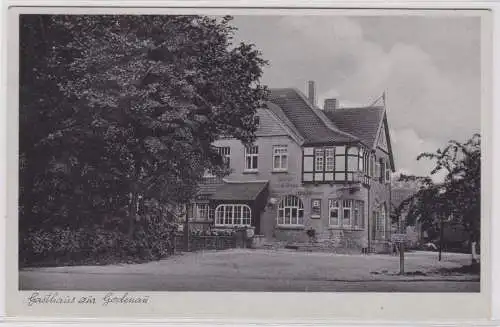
(240, 191)
(311, 124)
(209, 186)
(361, 122)
(400, 194)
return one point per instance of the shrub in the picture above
(66, 246)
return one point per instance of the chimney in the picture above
(312, 92)
(330, 105)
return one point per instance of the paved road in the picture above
(247, 270)
(139, 282)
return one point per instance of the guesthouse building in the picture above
(313, 174)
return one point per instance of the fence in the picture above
(211, 242)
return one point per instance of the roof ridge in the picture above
(229, 181)
(363, 107)
(310, 106)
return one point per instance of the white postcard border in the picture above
(296, 307)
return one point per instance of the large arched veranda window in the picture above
(233, 215)
(291, 211)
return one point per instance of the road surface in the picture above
(254, 270)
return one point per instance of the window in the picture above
(380, 221)
(329, 159)
(339, 163)
(291, 211)
(256, 120)
(361, 160)
(382, 170)
(333, 206)
(233, 215)
(225, 153)
(316, 207)
(251, 157)
(318, 160)
(346, 213)
(202, 210)
(372, 165)
(387, 174)
(329, 164)
(199, 211)
(280, 157)
(358, 217)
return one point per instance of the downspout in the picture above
(390, 206)
(369, 213)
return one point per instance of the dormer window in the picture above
(256, 120)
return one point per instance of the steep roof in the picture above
(281, 116)
(361, 122)
(312, 125)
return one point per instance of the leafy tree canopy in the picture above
(457, 198)
(115, 110)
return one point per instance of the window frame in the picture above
(225, 216)
(381, 217)
(357, 206)
(328, 164)
(280, 157)
(284, 204)
(387, 173)
(347, 208)
(330, 209)
(253, 156)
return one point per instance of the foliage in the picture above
(83, 245)
(118, 114)
(457, 198)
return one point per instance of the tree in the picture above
(119, 110)
(458, 197)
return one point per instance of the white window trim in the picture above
(341, 209)
(339, 216)
(387, 176)
(298, 207)
(224, 211)
(198, 211)
(382, 215)
(252, 155)
(356, 209)
(329, 158)
(280, 156)
(350, 213)
(320, 155)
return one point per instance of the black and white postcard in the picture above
(294, 164)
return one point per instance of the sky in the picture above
(428, 66)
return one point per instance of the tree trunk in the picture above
(132, 213)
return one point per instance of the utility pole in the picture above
(402, 248)
(441, 235)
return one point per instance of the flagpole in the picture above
(376, 100)
(385, 99)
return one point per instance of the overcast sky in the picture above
(430, 67)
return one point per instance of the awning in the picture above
(239, 191)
